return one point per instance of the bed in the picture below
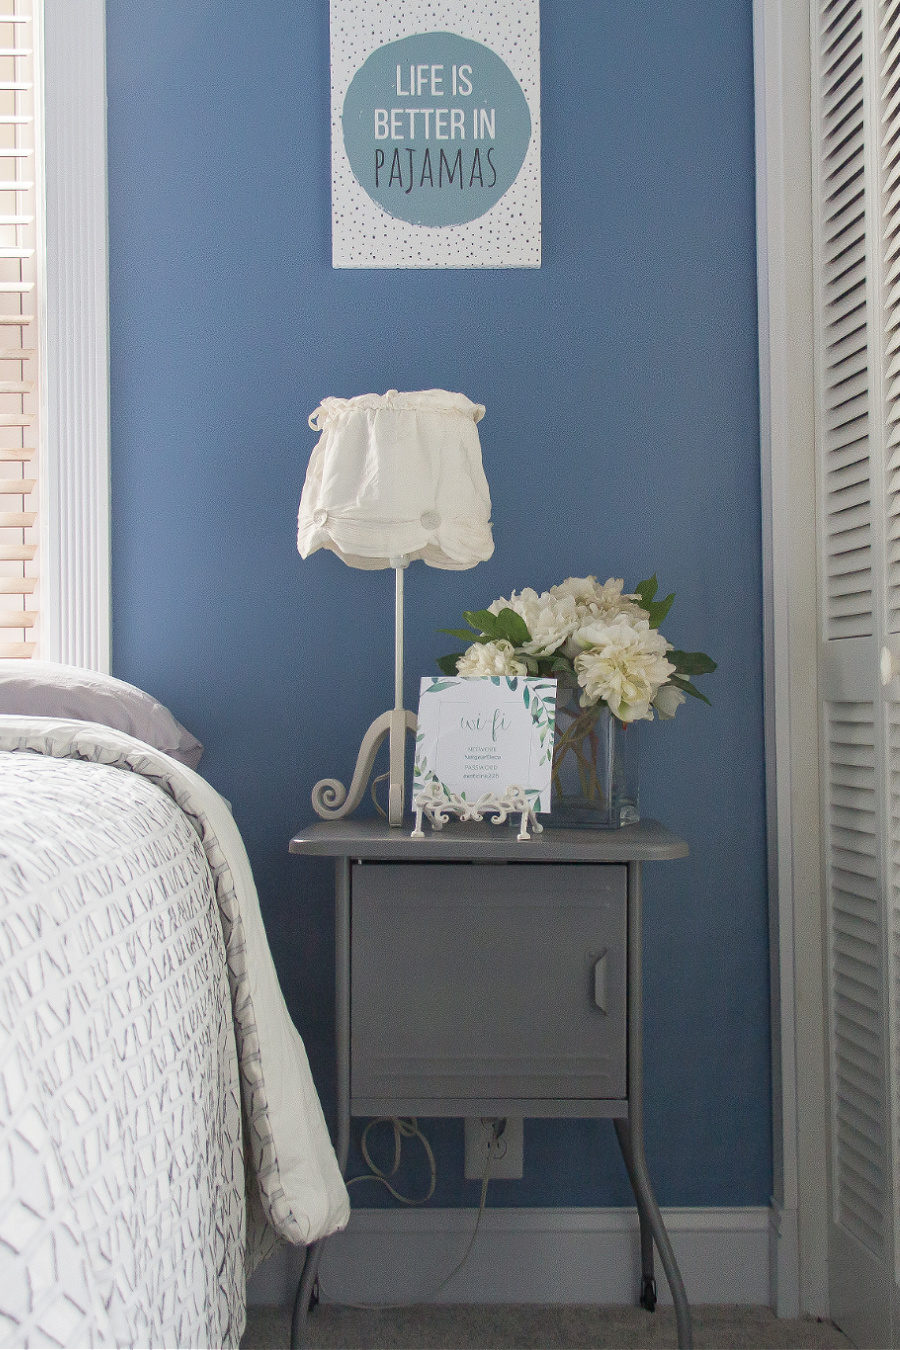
(160, 1133)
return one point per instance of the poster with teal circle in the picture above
(436, 128)
(435, 134)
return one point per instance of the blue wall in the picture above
(621, 437)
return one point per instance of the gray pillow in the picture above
(47, 689)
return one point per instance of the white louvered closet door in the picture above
(857, 112)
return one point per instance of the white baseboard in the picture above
(529, 1256)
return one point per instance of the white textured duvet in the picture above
(140, 1021)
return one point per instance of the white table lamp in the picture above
(394, 477)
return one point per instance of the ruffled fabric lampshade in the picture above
(397, 475)
(394, 477)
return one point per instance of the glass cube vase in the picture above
(595, 766)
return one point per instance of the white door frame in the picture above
(782, 51)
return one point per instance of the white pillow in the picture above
(47, 689)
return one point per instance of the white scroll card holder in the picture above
(438, 806)
(484, 747)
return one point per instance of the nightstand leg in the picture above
(648, 1274)
(635, 1159)
(305, 1290)
(342, 1007)
(310, 1273)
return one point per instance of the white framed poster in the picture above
(479, 734)
(435, 133)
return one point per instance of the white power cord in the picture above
(403, 1129)
(409, 1129)
(492, 1149)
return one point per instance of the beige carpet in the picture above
(525, 1327)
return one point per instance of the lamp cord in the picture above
(378, 807)
(402, 1130)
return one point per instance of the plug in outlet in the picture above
(507, 1161)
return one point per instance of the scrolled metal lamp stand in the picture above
(330, 799)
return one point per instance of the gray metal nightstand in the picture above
(481, 990)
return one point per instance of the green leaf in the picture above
(437, 685)
(526, 695)
(688, 688)
(514, 627)
(656, 609)
(562, 664)
(483, 621)
(645, 591)
(448, 663)
(691, 663)
(659, 610)
(507, 624)
(465, 634)
(495, 679)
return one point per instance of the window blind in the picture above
(19, 348)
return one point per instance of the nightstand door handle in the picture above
(600, 981)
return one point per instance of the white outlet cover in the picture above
(507, 1163)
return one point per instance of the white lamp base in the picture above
(330, 798)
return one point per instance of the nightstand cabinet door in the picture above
(476, 983)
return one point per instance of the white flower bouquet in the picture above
(604, 646)
(607, 641)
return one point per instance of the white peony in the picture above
(623, 664)
(581, 589)
(604, 602)
(490, 658)
(595, 603)
(549, 619)
(668, 700)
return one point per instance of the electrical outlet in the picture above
(507, 1161)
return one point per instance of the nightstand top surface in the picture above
(647, 841)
